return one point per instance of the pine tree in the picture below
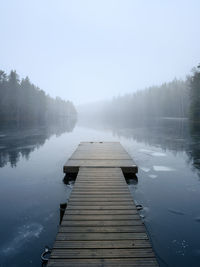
(195, 95)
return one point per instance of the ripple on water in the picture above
(177, 212)
(23, 235)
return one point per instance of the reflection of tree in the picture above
(171, 134)
(20, 142)
(194, 146)
(174, 135)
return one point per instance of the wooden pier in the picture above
(101, 225)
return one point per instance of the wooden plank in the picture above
(101, 175)
(133, 262)
(101, 207)
(101, 236)
(101, 212)
(99, 183)
(100, 217)
(103, 244)
(101, 225)
(83, 155)
(101, 194)
(103, 229)
(112, 163)
(100, 199)
(77, 202)
(101, 186)
(102, 253)
(100, 190)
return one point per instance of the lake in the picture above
(168, 187)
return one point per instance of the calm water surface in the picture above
(168, 187)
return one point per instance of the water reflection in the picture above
(175, 135)
(168, 134)
(194, 147)
(167, 188)
(20, 141)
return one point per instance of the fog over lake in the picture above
(84, 70)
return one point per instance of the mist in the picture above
(170, 100)
(21, 102)
(87, 51)
(122, 79)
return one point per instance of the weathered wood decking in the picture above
(100, 154)
(101, 225)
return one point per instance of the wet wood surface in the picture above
(100, 154)
(101, 225)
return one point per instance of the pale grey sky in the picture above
(91, 50)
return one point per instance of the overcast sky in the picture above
(92, 50)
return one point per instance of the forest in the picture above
(175, 99)
(23, 102)
(195, 95)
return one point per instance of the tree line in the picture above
(168, 100)
(23, 102)
(195, 95)
(175, 99)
